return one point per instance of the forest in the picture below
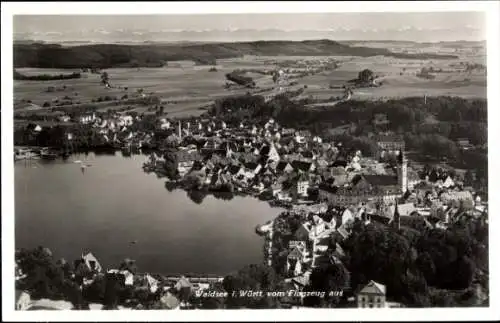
(45, 77)
(157, 55)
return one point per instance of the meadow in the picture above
(185, 88)
(398, 78)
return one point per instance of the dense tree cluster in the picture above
(155, 55)
(239, 78)
(251, 277)
(328, 278)
(44, 278)
(45, 77)
(365, 76)
(416, 264)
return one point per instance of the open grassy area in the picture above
(398, 78)
(185, 88)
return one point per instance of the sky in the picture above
(432, 26)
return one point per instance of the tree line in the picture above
(45, 77)
(119, 55)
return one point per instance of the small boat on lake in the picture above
(25, 153)
(49, 154)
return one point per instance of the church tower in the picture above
(396, 219)
(402, 172)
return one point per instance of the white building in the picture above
(23, 300)
(372, 296)
(91, 262)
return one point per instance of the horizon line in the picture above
(246, 41)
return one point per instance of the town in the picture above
(259, 163)
(327, 188)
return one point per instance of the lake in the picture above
(114, 203)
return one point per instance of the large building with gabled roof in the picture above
(372, 295)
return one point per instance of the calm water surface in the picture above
(114, 202)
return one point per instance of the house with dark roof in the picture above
(185, 160)
(301, 166)
(235, 170)
(385, 187)
(381, 180)
(340, 162)
(391, 144)
(307, 156)
(264, 150)
(380, 219)
(197, 166)
(364, 188)
(327, 193)
(127, 277)
(251, 169)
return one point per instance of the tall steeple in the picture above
(402, 170)
(396, 219)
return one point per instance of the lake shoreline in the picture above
(116, 229)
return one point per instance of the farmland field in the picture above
(397, 83)
(186, 88)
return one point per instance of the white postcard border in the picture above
(492, 9)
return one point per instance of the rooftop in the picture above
(373, 288)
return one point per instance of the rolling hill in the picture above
(153, 55)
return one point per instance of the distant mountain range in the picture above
(465, 33)
(120, 55)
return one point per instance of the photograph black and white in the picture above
(216, 161)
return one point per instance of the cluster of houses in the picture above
(285, 162)
(312, 247)
(293, 165)
(318, 239)
(115, 129)
(248, 157)
(367, 190)
(172, 291)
